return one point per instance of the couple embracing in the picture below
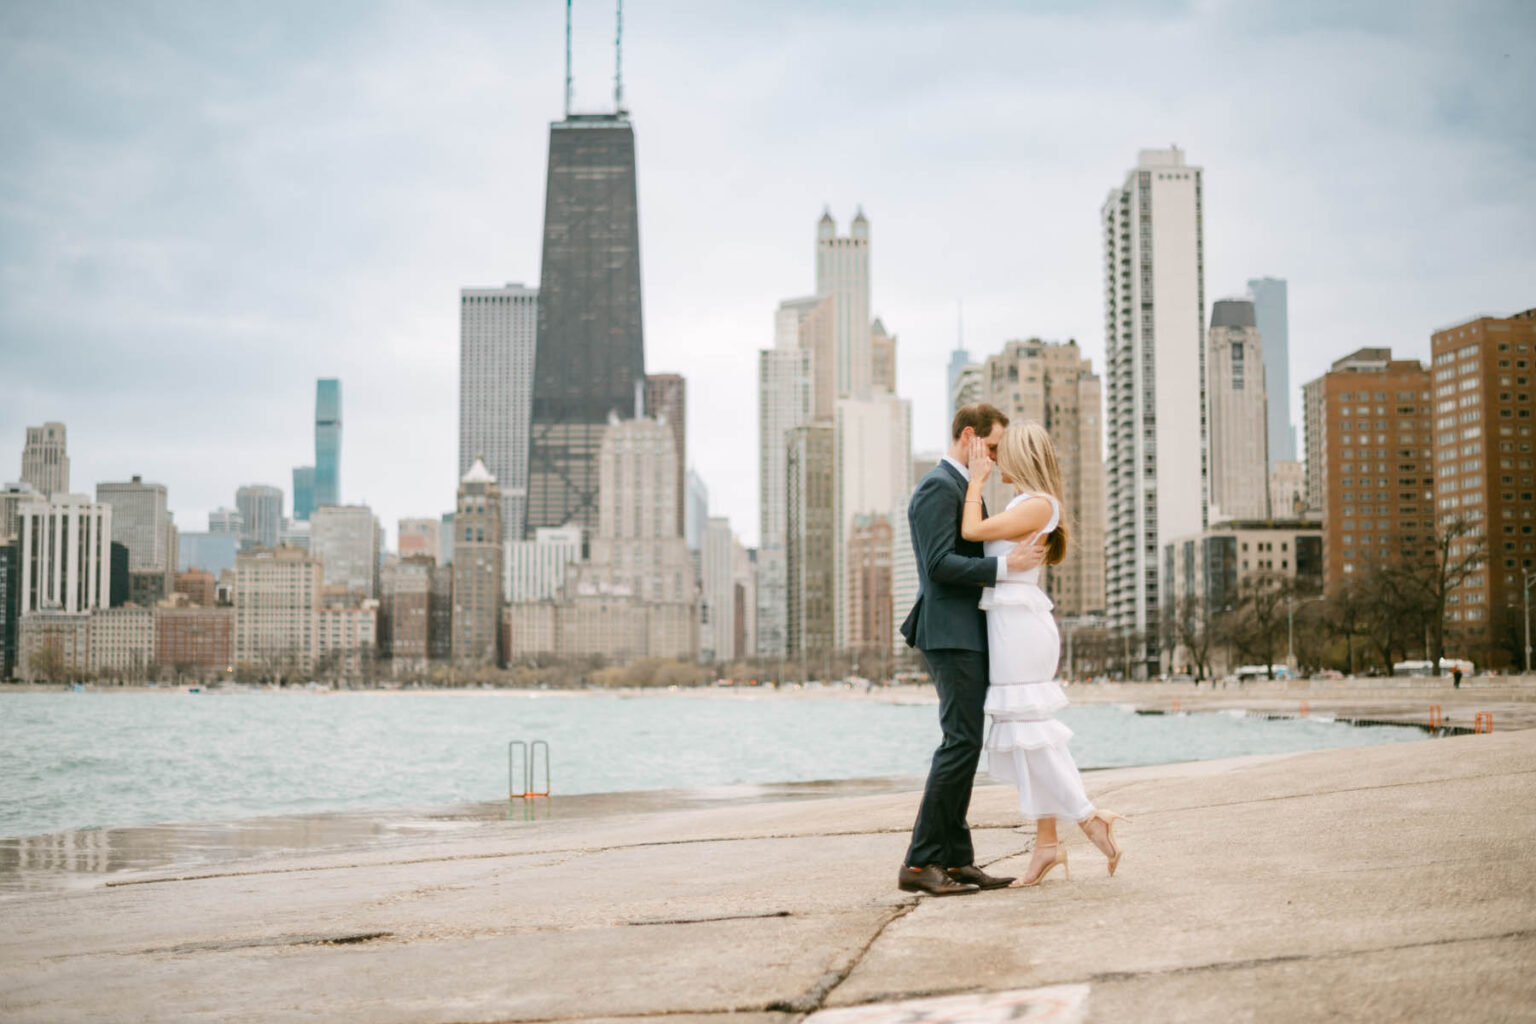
(984, 626)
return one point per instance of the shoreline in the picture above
(82, 857)
(72, 856)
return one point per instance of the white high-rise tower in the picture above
(784, 401)
(1154, 303)
(842, 271)
(496, 347)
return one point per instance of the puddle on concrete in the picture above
(91, 857)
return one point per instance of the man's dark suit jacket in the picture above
(950, 570)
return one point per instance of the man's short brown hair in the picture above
(979, 416)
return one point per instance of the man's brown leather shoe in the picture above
(933, 881)
(979, 878)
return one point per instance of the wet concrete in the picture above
(1376, 883)
(85, 858)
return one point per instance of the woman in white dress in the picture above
(1027, 746)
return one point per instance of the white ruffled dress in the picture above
(1026, 745)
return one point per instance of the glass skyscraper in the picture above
(589, 351)
(303, 492)
(327, 442)
(1273, 322)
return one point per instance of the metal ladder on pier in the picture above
(529, 764)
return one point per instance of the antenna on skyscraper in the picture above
(960, 323)
(618, 60)
(567, 58)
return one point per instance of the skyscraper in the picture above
(1273, 322)
(1377, 470)
(226, 520)
(590, 344)
(10, 604)
(666, 397)
(346, 540)
(1154, 324)
(695, 510)
(809, 324)
(12, 497)
(968, 385)
(277, 609)
(870, 556)
(639, 549)
(784, 401)
(478, 550)
(536, 568)
(882, 347)
(421, 537)
(303, 493)
(959, 361)
(1237, 419)
(1482, 379)
(872, 453)
(1052, 383)
(842, 271)
(141, 521)
(808, 546)
(496, 347)
(261, 515)
(65, 560)
(45, 460)
(327, 442)
(717, 636)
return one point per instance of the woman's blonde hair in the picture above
(1028, 457)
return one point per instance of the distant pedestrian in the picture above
(1456, 677)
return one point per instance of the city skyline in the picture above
(225, 253)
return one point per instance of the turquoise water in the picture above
(90, 760)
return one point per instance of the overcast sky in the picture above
(205, 206)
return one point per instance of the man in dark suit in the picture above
(951, 631)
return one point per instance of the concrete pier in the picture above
(1379, 883)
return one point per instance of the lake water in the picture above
(96, 760)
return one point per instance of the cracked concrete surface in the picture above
(1373, 883)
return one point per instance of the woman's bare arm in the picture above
(1024, 519)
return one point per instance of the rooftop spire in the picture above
(567, 58)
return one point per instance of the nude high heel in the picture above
(1108, 818)
(1060, 858)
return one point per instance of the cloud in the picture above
(205, 207)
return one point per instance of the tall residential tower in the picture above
(1154, 319)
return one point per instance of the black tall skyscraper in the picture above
(589, 352)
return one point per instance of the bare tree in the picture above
(1345, 618)
(1191, 626)
(1258, 622)
(49, 663)
(1458, 549)
(1390, 621)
